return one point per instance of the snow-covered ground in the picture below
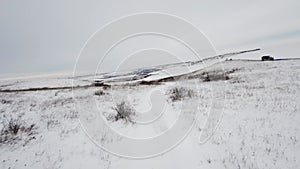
(259, 127)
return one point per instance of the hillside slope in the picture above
(259, 120)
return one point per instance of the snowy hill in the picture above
(258, 124)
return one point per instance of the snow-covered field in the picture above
(259, 127)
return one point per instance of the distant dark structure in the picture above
(267, 58)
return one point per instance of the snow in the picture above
(259, 126)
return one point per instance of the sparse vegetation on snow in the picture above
(179, 93)
(124, 112)
(15, 131)
(259, 126)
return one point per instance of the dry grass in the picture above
(180, 93)
(124, 112)
(100, 93)
(15, 131)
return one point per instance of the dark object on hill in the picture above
(267, 58)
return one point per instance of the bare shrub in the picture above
(52, 123)
(100, 93)
(15, 131)
(214, 76)
(180, 93)
(71, 115)
(124, 112)
(217, 75)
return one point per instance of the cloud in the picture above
(46, 36)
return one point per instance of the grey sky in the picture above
(46, 36)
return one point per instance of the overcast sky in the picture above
(38, 36)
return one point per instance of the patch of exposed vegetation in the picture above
(100, 93)
(217, 75)
(124, 112)
(15, 131)
(179, 93)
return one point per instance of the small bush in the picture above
(124, 112)
(180, 93)
(217, 75)
(15, 131)
(99, 93)
(214, 76)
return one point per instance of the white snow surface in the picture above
(259, 127)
